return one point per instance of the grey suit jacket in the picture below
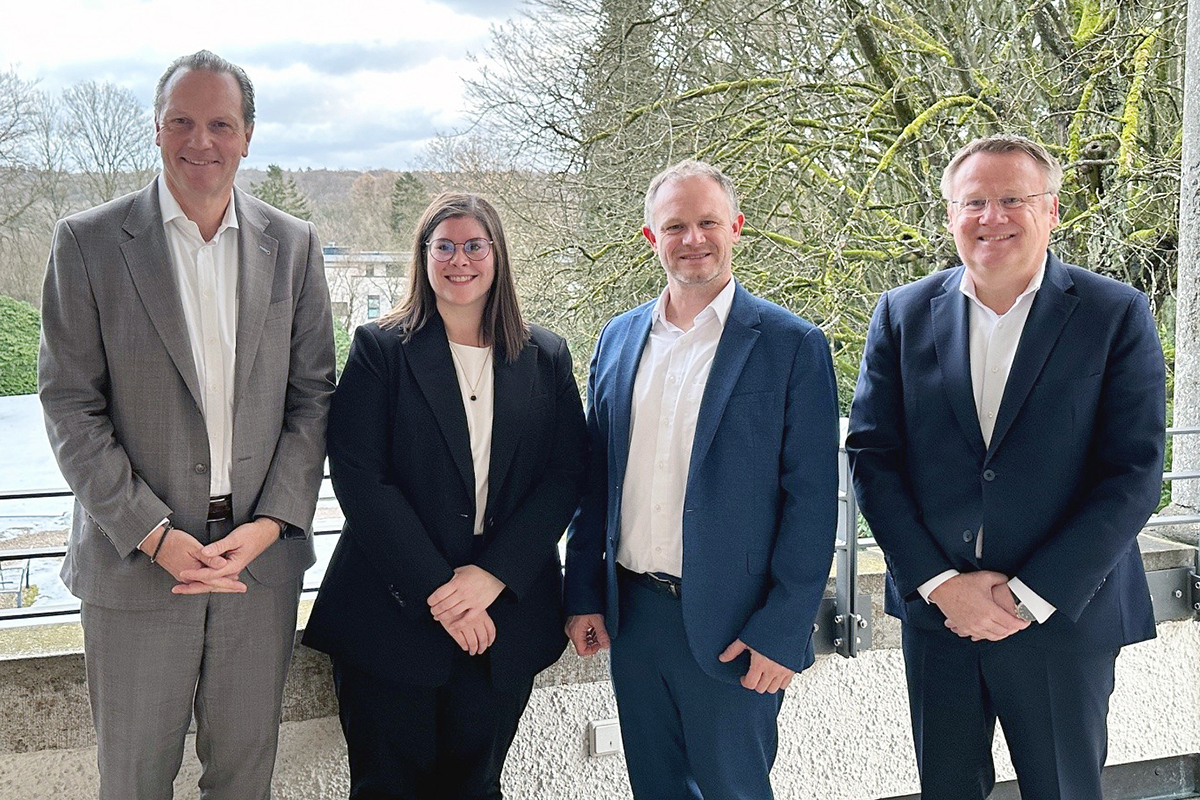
(121, 398)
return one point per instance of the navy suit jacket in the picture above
(760, 508)
(1073, 470)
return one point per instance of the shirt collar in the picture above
(967, 285)
(171, 210)
(718, 308)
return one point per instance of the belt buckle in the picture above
(671, 586)
(219, 508)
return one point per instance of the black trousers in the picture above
(420, 743)
(1052, 705)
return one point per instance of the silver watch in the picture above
(1023, 611)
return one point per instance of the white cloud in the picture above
(350, 83)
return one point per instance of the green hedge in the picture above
(19, 326)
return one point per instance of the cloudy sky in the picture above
(352, 84)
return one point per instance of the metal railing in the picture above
(844, 623)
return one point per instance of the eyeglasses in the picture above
(977, 205)
(474, 249)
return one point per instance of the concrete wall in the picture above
(844, 725)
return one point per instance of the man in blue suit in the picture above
(1006, 440)
(703, 545)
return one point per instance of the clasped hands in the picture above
(461, 603)
(979, 605)
(588, 634)
(214, 567)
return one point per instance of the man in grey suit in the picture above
(185, 371)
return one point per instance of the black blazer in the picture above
(400, 460)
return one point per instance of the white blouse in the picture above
(473, 366)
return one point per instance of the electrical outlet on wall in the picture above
(604, 737)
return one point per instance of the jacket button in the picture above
(201, 469)
(988, 475)
(968, 536)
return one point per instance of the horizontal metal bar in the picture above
(32, 552)
(1182, 431)
(1163, 520)
(1189, 475)
(33, 494)
(44, 612)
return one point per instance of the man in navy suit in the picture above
(1006, 440)
(703, 545)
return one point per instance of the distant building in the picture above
(363, 285)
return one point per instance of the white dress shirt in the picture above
(993, 343)
(473, 366)
(207, 276)
(666, 404)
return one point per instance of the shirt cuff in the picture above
(162, 522)
(1040, 609)
(928, 586)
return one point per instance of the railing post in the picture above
(852, 612)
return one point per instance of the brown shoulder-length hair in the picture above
(502, 325)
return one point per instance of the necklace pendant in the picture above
(472, 397)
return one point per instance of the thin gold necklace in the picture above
(474, 385)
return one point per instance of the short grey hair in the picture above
(1005, 143)
(690, 169)
(209, 62)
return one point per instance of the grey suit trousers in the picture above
(222, 656)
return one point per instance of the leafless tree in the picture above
(109, 137)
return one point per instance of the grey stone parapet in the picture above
(44, 701)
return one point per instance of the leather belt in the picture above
(220, 508)
(655, 582)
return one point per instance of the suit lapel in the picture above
(149, 263)
(256, 272)
(737, 340)
(513, 392)
(951, 339)
(428, 354)
(629, 355)
(1052, 306)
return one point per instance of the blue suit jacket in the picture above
(1073, 470)
(760, 509)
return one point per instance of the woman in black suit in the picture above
(456, 447)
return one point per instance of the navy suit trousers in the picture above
(687, 735)
(1052, 705)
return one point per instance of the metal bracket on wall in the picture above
(841, 633)
(1174, 592)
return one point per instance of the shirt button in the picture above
(657, 507)
(990, 415)
(995, 369)
(658, 549)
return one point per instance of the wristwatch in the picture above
(1023, 611)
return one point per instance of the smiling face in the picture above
(693, 232)
(460, 284)
(1000, 244)
(202, 137)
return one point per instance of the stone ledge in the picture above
(44, 701)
